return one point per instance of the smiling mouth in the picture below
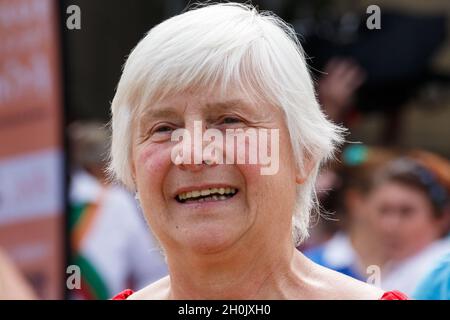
(206, 195)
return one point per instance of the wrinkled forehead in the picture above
(214, 97)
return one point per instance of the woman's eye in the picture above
(231, 120)
(162, 129)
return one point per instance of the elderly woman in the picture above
(228, 229)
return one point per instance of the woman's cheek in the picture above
(153, 161)
(251, 172)
(256, 184)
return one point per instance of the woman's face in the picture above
(242, 205)
(404, 217)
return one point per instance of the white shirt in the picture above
(405, 275)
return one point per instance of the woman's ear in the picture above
(132, 168)
(131, 158)
(302, 175)
(133, 174)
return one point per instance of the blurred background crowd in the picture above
(385, 199)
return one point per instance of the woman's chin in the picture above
(209, 240)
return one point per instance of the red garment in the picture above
(394, 295)
(123, 295)
(388, 295)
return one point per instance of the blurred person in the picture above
(337, 88)
(13, 285)
(355, 245)
(324, 224)
(410, 210)
(109, 239)
(228, 231)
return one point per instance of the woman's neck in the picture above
(263, 272)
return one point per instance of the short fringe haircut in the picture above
(224, 45)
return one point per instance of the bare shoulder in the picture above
(334, 285)
(158, 290)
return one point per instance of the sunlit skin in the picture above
(239, 248)
(404, 218)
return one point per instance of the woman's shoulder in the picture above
(337, 286)
(323, 282)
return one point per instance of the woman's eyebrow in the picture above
(229, 105)
(157, 113)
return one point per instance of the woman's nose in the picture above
(196, 158)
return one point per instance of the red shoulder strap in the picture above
(123, 295)
(394, 295)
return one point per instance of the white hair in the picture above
(225, 45)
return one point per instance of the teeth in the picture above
(213, 193)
